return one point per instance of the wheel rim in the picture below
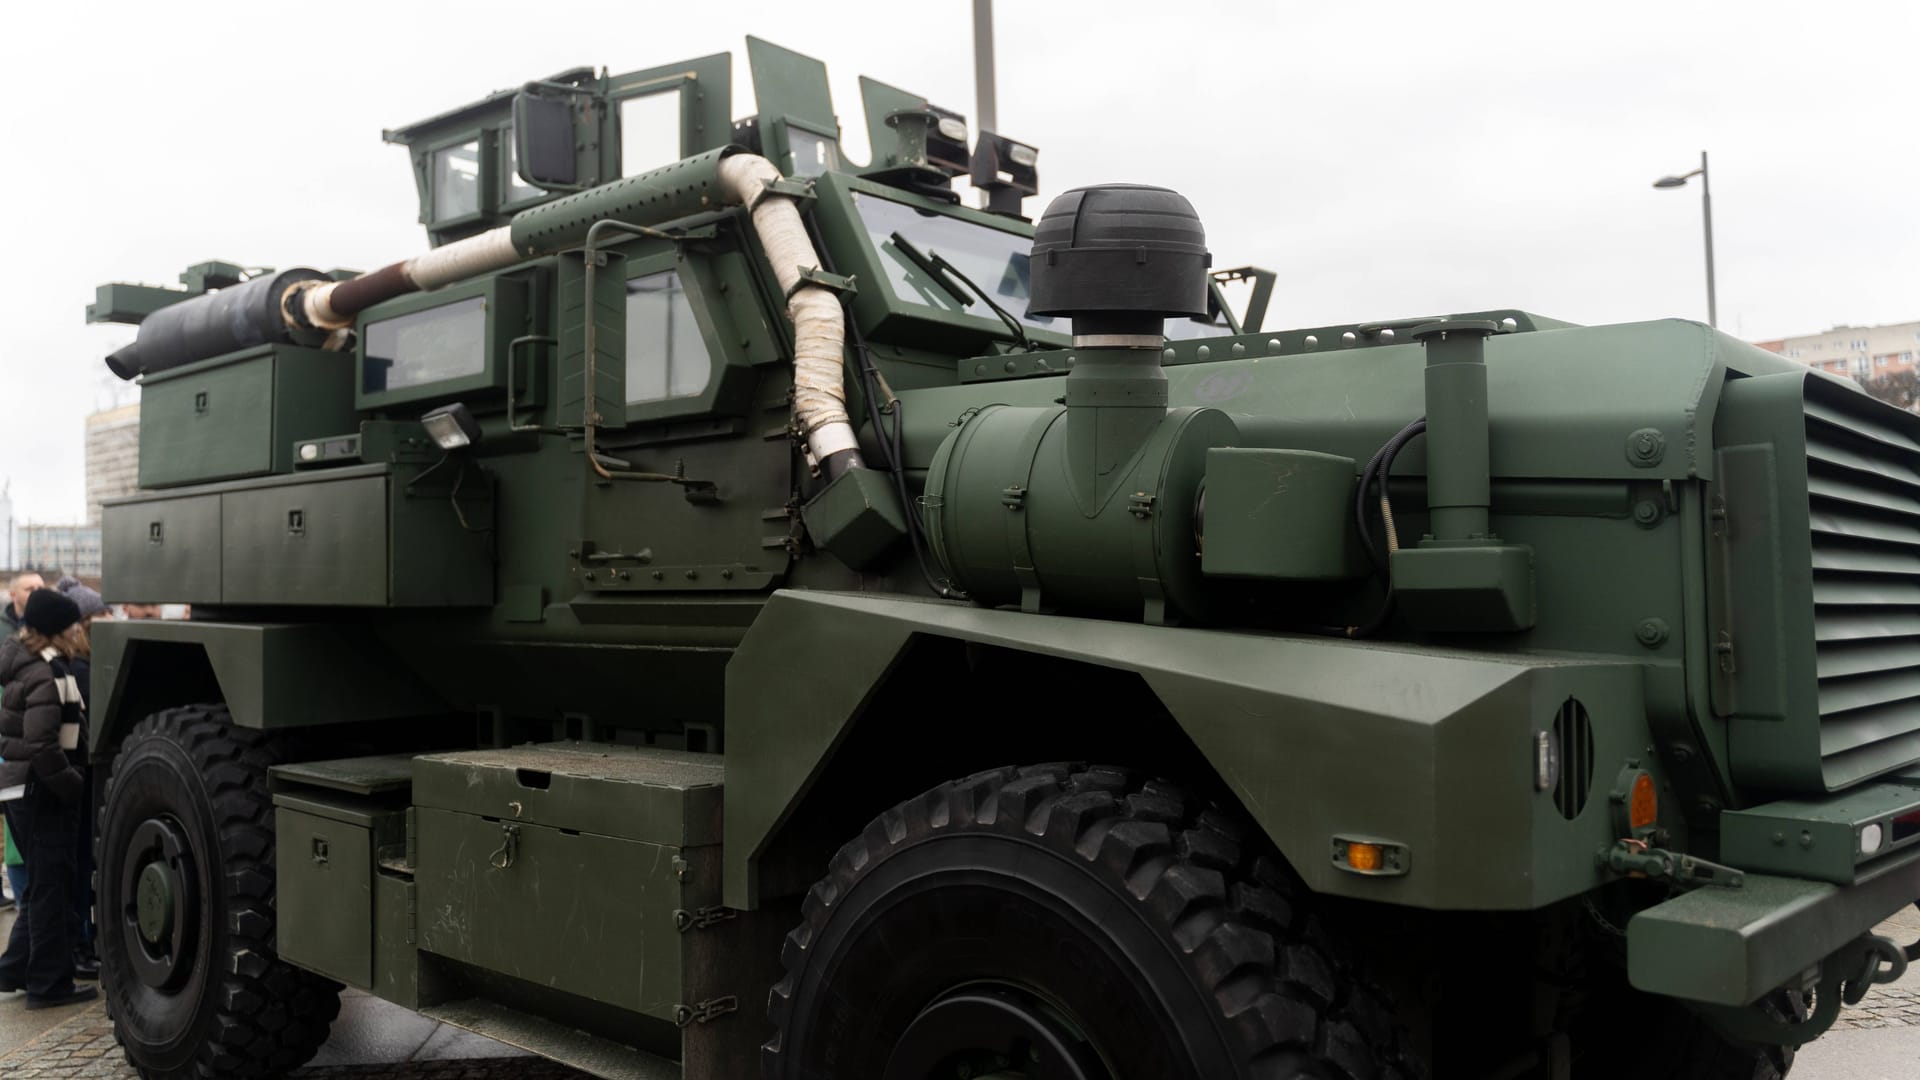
(161, 909)
(993, 1033)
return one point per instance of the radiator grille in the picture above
(1863, 494)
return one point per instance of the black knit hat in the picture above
(49, 612)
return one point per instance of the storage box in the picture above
(369, 535)
(240, 414)
(572, 866)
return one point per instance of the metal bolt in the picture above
(1652, 632)
(1646, 513)
(693, 575)
(589, 575)
(658, 576)
(1010, 367)
(1386, 334)
(727, 574)
(1239, 349)
(1806, 839)
(1203, 352)
(1273, 345)
(1646, 447)
(1313, 341)
(1349, 337)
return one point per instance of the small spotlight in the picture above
(451, 426)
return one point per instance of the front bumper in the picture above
(1733, 946)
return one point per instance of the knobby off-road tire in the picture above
(185, 880)
(1069, 923)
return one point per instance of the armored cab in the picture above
(725, 608)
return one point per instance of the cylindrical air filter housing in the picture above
(227, 320)
(1119, 259)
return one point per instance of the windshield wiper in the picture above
(937, 268)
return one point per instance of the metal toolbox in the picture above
(579, 867)
(239, 415)
(360, 536)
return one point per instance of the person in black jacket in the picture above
(41, 726)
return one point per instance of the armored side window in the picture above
(456, 181)
(666, 357)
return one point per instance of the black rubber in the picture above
(238, 1011)
(1670, 1042)
(1152, 925)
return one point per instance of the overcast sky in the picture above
(1387, 159)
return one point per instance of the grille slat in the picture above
(1847, 693)
(1863, 486)
(1874, 590)
(1840, 487)
(1845, 460)
(1838, 659)
(1861, 425)
(1852, 624)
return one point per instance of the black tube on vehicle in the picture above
(238, 317)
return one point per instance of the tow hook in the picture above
(1841, 979)
(1635, 858)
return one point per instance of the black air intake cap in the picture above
(1119, 250)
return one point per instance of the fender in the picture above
(1432, 749)
(270, 675)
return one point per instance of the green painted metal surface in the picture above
(1731, 946)
(1813, 551)
(324, 915)
(1430, 748)
(271, 675)
(166, 546)
(240, 415)
(1821, 838)
(1262, 495)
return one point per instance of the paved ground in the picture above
(372, 1040)
(1877, 1040)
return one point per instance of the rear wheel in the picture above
(1067, 923)
(185, 858)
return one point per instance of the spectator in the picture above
(17, 590)
(42, 726)
(140, 611)
(86, 965)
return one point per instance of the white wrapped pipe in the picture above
(819, 329)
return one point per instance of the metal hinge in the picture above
(413, 912)
(1723, 651)
(701, 918)
(702, 1011)
(1140, 505)
(1013, 496)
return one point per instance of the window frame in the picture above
(507, 304)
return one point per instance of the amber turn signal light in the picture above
(1643, 805)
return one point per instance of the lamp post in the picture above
(1706, 215)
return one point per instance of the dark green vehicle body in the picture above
(595, 737)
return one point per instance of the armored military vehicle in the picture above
(725, 610)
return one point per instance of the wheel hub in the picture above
(160, 903)
(992, 1033)
(153, 902)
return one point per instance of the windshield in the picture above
(997, 261)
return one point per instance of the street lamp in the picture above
(1706, 215)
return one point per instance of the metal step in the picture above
(553, 1041)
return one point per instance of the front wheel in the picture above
(1068, 923)
(185, 883)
